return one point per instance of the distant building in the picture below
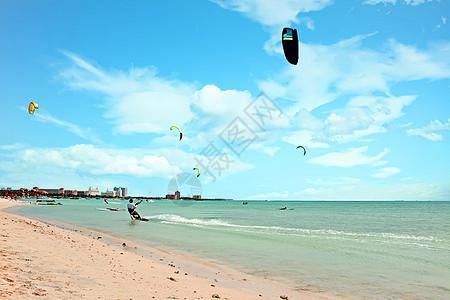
(109, 193)
(52, 192)
(198, 197)
(82, 193)
(121, 191)
(176, 196)
(68, 193)
(93, 192)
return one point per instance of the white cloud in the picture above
(273, 13)
(406, 125)
(363, 116)
(269, 196)
(428, 131)
(304, 138)
(327, 72)
(385, 192)
(218, 107)
(219, 166)
(270, 150)
(337, 181)
(308, 22)
(374, 2)
(141, 102)
(386, 172)
(393, 2)
(137, 101)
(353, 157)
(82, 165)
(44, 116)
(15, 146)
(91, 160)
(379, 163)
(415, 2)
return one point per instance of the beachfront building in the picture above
(176, 196)
(82, 193)
(121, 191)
(93, 192)
(69, 193)
(109, 193)
(52, 192)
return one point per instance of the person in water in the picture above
(132, 209)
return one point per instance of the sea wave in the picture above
(320, 233)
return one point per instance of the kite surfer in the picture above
(132, 209)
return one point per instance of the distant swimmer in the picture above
(132, 210)
(105, 201)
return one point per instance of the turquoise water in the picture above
(380, 250)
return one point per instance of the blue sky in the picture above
(369, 98)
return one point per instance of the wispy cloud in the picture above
(132, 99)
(337, 181)
(428, 131)
(379, 163)
(269, 196)
(375, 2)
(44, 116)
(15, 146)
(365, 191)
(353, 157)
(273, 13)
(386, 172)
(406, 125)
(394, 2)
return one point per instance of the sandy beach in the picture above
(38, 260)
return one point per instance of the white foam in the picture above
(322, 233)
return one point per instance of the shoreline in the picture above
(85, 263)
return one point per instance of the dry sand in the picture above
(38, 260)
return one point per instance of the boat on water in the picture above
(47, 202)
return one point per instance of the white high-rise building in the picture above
(121, 191)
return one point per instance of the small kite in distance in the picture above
(32, 107)
(304, 150)
(290, 45)
(181, 134)
(198, 171)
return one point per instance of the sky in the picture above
(369, 99)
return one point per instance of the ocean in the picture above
(359, 250)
